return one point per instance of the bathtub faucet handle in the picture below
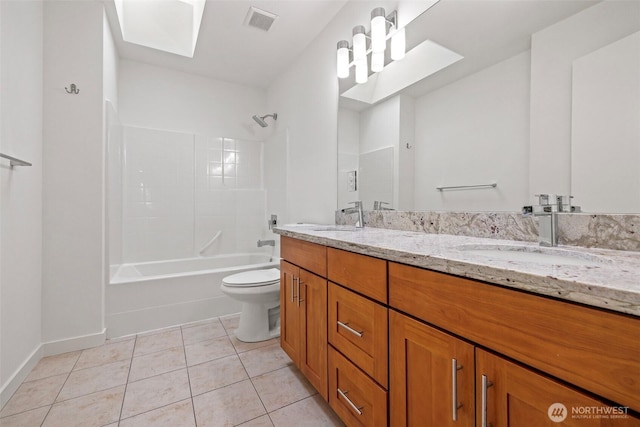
(262, 243)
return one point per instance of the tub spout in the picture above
(262, 243)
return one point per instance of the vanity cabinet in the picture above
(303, 311)
(391, 344)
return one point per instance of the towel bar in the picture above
(14, 161)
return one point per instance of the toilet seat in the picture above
(253, 278)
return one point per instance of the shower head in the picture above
(260, 120)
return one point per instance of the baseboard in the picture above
(66, 345)
(12, 384)
(47, 349)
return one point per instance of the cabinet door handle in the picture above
(454, 389)
(353, 406)
(485, 385)
(350, 329)
(298, 290)
(292, 295)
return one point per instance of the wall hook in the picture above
(74, 90)
(409, 146)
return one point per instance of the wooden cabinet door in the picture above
(313, 323)
(289, 313)
(424, 387)
(509, 395)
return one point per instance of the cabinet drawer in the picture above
(357, 400)
(594, 349)
(358, 328)
(360, 273)
(310, 256)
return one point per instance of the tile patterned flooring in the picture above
(191, 375)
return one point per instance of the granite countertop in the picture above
(603, 278)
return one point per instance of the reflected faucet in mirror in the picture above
(356, 209)
(377, 206)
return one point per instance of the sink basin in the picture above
(537, 255)
(335, 228)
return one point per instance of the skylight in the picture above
(168, 25)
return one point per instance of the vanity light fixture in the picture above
(342, 60)
(359, 45)
(377, 61)
(383, 28)
(362, 72)
(398, 45)
(378, 30)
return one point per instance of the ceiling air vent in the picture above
(260, 19)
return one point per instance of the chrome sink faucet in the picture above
(357, 208)
(547, 221)
(547, 210)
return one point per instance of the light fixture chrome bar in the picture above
(15, 161)
(460, 187)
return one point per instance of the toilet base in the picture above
(259, 322)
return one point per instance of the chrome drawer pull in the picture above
(350, 329)
(454, 388)
(485, 385)
(344, 396)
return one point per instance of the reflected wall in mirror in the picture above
(505, 113)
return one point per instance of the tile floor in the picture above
(191, 375)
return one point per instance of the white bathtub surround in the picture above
(182, 189)
(152, 295)
(607, 231)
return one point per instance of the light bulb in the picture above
(377, 61)
(362, 72)
(398, 45)
(342, 62)
(359, 45)
(378, 30)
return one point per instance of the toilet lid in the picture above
(253, 278)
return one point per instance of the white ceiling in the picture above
(230, 51)
(483, 31)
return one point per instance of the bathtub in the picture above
(153, 295)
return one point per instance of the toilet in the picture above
(259, 293)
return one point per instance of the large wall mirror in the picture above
(546, 99)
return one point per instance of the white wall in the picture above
(475, 131)
(306, 99)
(379, 153)
(553, 51)
(74, 255)
(348, 153)
(159, 98)
(405, 165)
(21, 191)
(605, 133)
